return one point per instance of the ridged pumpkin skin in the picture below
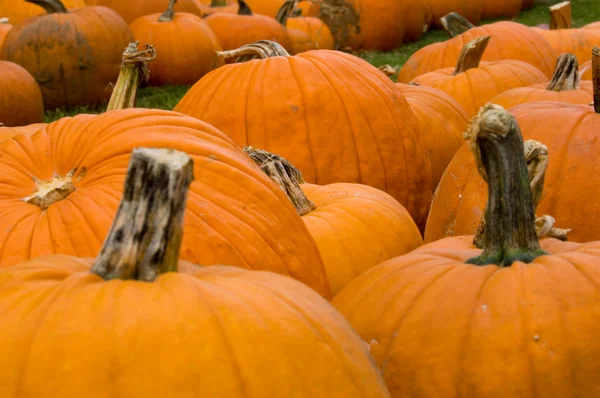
(72, 56)
(510, 40)
(20, 97)
(357, 227)
(187, 48)
(475, 87)
(538, 92)
(441, 120)
(244, 218)
(17, 11)
(568, 130)
(501, 8)
(507, 332)
(223, 331)
(585, 70)
(132, 9)
(471, 10)
(577, 41)
(332, 115)
(318, 33)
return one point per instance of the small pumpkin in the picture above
(333, 115)
(306, 33)
(473, 83)
(170, 326)
(19, 10)
(565, 86)
(20, 97)
(186, 43)
(132, 9)
(72, 55)
(493, 314)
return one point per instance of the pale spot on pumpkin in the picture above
(295, 108)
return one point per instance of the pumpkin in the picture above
(565, 86)
(132, 9)
(6, 133)
(593, 25)
(470, 10)
(309, 8)
(18, 11)
(236, 30)
(72, 55)
(187, 46)
(332, 115)
(305, 33)
(585, 70)
(510, 40)
(172, 327)
(501, 8)
(452, 320)
(472, 83)
(416, 19)
(564, 39)
(4, 28)
(355, 226)
(20, 97)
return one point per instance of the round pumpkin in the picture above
(72, 55)
(510, 40)
(17, 11)
(171, 326)
(132, 9)
(305, 33)
(186, 44)
(501, 8)
(20, 97)
(451, 320)
(565, 86)
(332, 115)
(472, 83)
(441, 120)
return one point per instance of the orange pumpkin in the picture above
(510, 40)
(501, 8)
(20, 97)
(441, 120)
(493, 314)
(472, 83)
(6, 133)
(236, 30)
(334, 116)
(471, 10)
(187, 46)
(416, 19)
(18, 11)
(72, 55)
(153, 314)
(593, 25)
(132, 9)
(585, 70)
(4, 28)
(305, 33)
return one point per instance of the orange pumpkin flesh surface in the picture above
(17, 11)
(441, 120)
(20, 97)
(507, 327)
(72, 55)
(150, 325)
(187, 46)
(132, 9)
(332, 115)
(510, 40)
(565, 86)
(472, 83)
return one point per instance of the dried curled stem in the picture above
(262, 49)
(455, 24)
(50, 6)
(566, 74)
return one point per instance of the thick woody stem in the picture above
(243, 8)
(471, 53)
(169, 13)
(596, 77)
(134, 68)
(285, 11)
(560, 16)
(566, 74)
(146, 234)
(51, 6)
(258, 50)
(510, 235)
(455, 24)
(285, 175)
(218, 3)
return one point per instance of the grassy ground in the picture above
(584, 11)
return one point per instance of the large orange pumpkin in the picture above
(186, 44)
(72, 55)
(449, 320)
(18, 10)
(472, 83)
(510, 40)
(189, 333)
(334, 116)
(133, 9)
(20, 97)
(565, 86)
(441, 120)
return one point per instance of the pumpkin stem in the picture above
(258, 50)
(560, 16)
(342, 18)
(285, 175)
(566, 74)
(596, 77)
(284, 11)
(455, 24)
(134, 68)
(169, 13)
(471, 53)
(497, 145)
(50, 6)
(243, 8)
(218, 3)
(388, 70)
(145, 236)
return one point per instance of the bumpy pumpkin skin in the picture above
(17, 11)
(538, 92)
(187, 48)
(133, 9)
(223, 331)
(500, 328)
(357, 227)
(501, 8)
(244, 218)
(20, 97)
(510, 40)
(459, 201)
(332, 115)
(88, 42)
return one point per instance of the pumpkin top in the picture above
(455, 24)
(566, 74)
(471, 53)
(51, 6)
(243, 8)
(169, 13)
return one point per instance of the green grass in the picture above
(166, 97)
